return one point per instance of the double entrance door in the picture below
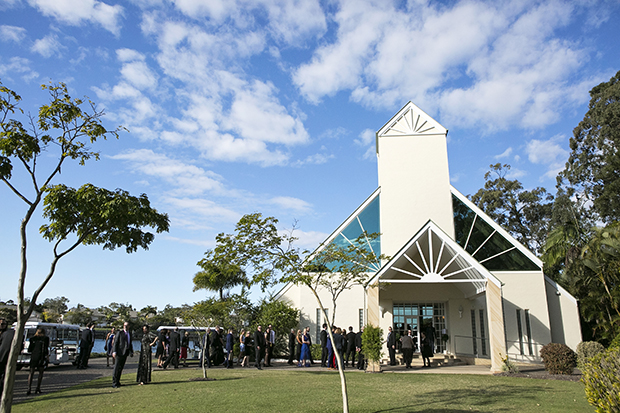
(419, 318)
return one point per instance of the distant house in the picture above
(451, 266)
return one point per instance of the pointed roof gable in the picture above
(431, 256)
(411, 121)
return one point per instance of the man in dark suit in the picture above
(324, 352)
(6, 338)
(86, 344)
(358, 348)
(122, 348)
(350, 347)
(292, 342)
(391, 345)
(259, 346)
(173, 349)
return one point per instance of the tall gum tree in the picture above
(85, 216)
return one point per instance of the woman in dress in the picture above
(241, 359)
(426, 349)
(304, 358)
(298, 349)
(39, 353)
(109, 351)
(144, 364)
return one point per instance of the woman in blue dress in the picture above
(304, 358)
(109, 339)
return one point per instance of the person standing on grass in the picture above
(350, 347)
(109, 339)
(292, 340)
(230, 344)
(162, 343)
(86, 344)
(184, 346)
(6, 337)
(144, 363)
(122, 349)
(39, 349)
(259, 346)
(358, 348)
(173, 349)
(271, 343)
(323, 338)
(304, 358)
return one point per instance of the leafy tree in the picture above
(88, 215)
(9, 314)
(282, 318)
(218, 273)
(80, 315)
(54, 309)
(271, 257)
(524, 214)
(594, 162)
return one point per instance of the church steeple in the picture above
(414, 177)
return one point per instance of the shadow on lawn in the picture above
(493, 397)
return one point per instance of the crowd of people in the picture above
(217, 347)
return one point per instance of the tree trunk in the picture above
(343, 382)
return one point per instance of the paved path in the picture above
(66, 375)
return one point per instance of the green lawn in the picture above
(249, 390)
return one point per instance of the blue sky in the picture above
(238, 106)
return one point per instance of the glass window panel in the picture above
(463, 217)
(513, 260)
(370, 217)
(352, 231)
(479, 234)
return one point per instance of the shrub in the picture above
(600, 376)
(371, 342)
(558, 358)
(315, 351)
(586, 350)
(615, 342)
(508, 366)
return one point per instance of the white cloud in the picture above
(139, 75)
(185, 178)
(504, 154)
(367, 139)
(12, 33)
(549, 152)
(48, 46)
(81, 12)
(489, 65)
(309, 239)
(293, 204)
(20, 66)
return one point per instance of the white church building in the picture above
(451, 265)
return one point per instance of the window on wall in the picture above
(364, 220)
(483, 341)
(474, 341)
(520, 332)
(483, 242)
(528, 329)
(318, 325)
(361, 319)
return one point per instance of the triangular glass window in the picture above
(365, 219)
(484, 243)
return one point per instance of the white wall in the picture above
(564, 316)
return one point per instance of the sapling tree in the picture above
(62, 131)
(271, 257)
